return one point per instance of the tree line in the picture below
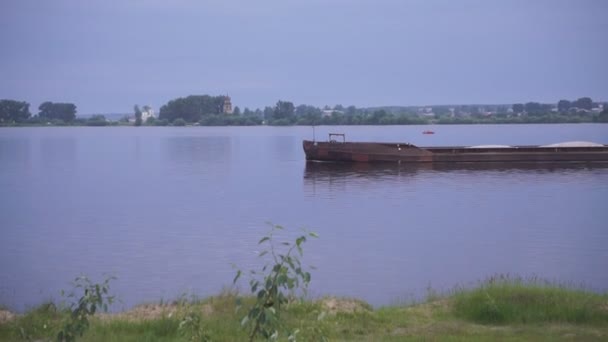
(207, 110)
(12, 111)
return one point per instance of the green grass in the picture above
(508, 301)
(504, 309)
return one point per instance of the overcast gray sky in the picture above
(106, 56)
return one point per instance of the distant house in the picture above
(147, 112)
(227, 105)
(330, 112)
(426, 111)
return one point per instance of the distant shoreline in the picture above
(438, 123)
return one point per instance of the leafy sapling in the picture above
(281, 276)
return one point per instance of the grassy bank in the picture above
(499, 309)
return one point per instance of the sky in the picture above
(105, 56)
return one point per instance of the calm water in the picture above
(168, 210)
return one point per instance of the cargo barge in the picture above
(338, 149)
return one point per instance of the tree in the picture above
(151, 121)
(308, 115)
(563, 106)
(179, 122)
(236, 111)
(14, 111)
(306, 110)
(441, 111)
(502, 109)
(583, 103)
(284, 110)
(191, 108)
(351, 110)
(59, 111)
(378, 116)
(532, 107)
(138, 115)
(518, 108)
(247, 112)
(603, 117)
(97, 120)
(268, 112)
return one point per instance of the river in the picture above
(168, 210)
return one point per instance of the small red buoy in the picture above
(428, 132)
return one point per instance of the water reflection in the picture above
(198, 149)
(328, 171)
(285, 147)
(14, 150)
(344, 177)
(58, 154)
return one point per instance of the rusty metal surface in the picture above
(407, 153)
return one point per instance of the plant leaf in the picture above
(238, 275)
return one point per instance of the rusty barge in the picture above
(338, 149)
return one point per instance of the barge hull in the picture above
(407, 153)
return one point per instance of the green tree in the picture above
(14, 111)
(283, 110)
(377, 117)
(179, 122)
(268, 113)
(57, 111)
(441, 111)
(236, 111)
(308, 115)
(191, 108)
(97, 120)
(351, 110)
(564, 105)
(583, 103)
(138, 115)
(308, 112)
(533, 107)
(518, 108)
(603, 117)
(502, 109)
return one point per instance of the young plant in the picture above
(91, 297)
(281, 276)
(192, 329)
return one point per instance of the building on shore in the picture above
(147, 112)
(227, 105)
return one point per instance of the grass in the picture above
(517, 301)
(499, 309)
